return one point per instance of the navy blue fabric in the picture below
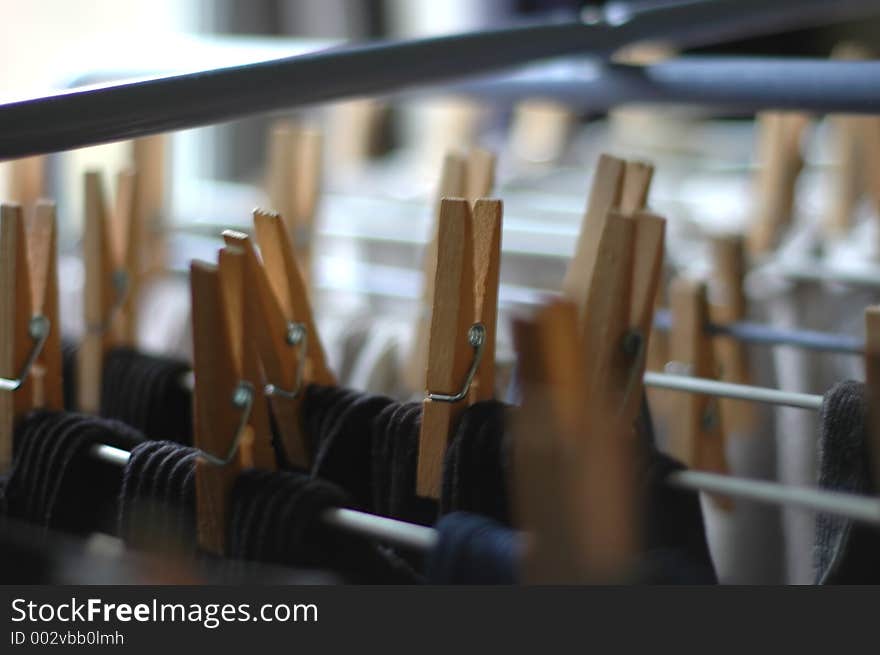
(473, 549)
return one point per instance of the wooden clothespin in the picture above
(148, 231)
(470, 176)
(295, 160)
(613, 279)
(30, 346)
(282, 349)
(540, 130)
(780, 162)
(27, 180)
(110, 257)
(727, 304)
(460, 359)
(221, 399)
(872, 382)
(698, 439)
(573, 485)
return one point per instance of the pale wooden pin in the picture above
(727, 304)
(294, 171)
(150, 154)
(697, 438)
(43, 257)
(780, 163)
(215, 416)
(99, 296)
(269, 357)
(27, 180)
(604, 195)
(469, 176)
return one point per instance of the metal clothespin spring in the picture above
(38, 329)
(243, 398)
(297, 335)
(477, 339)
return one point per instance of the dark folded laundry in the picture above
(845, 551)
(147, 392)
(477, 464)
(336, 422)
(473, 549)
(275, 517)
(69, 373)
(55, 482)
(395, 452)
(157, 507)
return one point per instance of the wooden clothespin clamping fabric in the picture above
(222, 400)
(469, 176)
(30, 341)
(281, 349)
(112, 261)
(573, 484)
(461, 346)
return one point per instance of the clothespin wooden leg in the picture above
(573, 473)
(727, 303)
(449, 352)
(452, 185)
(100, 296)
(43, 257)
(698, 439)
(16, 343)
(218, 404)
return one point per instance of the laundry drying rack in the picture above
(461, 64)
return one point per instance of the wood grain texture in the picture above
(727, 304)
(127, 247)
(453, 184)
(276, 359)
(215, 417)
(605, 194)
(449, 354)
(289, 286)
(698, 439)
(150, 155)
(569, 445)
(779, 137)
(487, 218)
(43, 257)
(15, 315)
(99, 295)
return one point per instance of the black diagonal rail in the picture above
(122, 111)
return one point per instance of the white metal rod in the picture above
(731, 390)
(851, 506)
(409, 535)
(400, 533)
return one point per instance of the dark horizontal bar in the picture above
(734, 84)
(90, 116)
(760, 333)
